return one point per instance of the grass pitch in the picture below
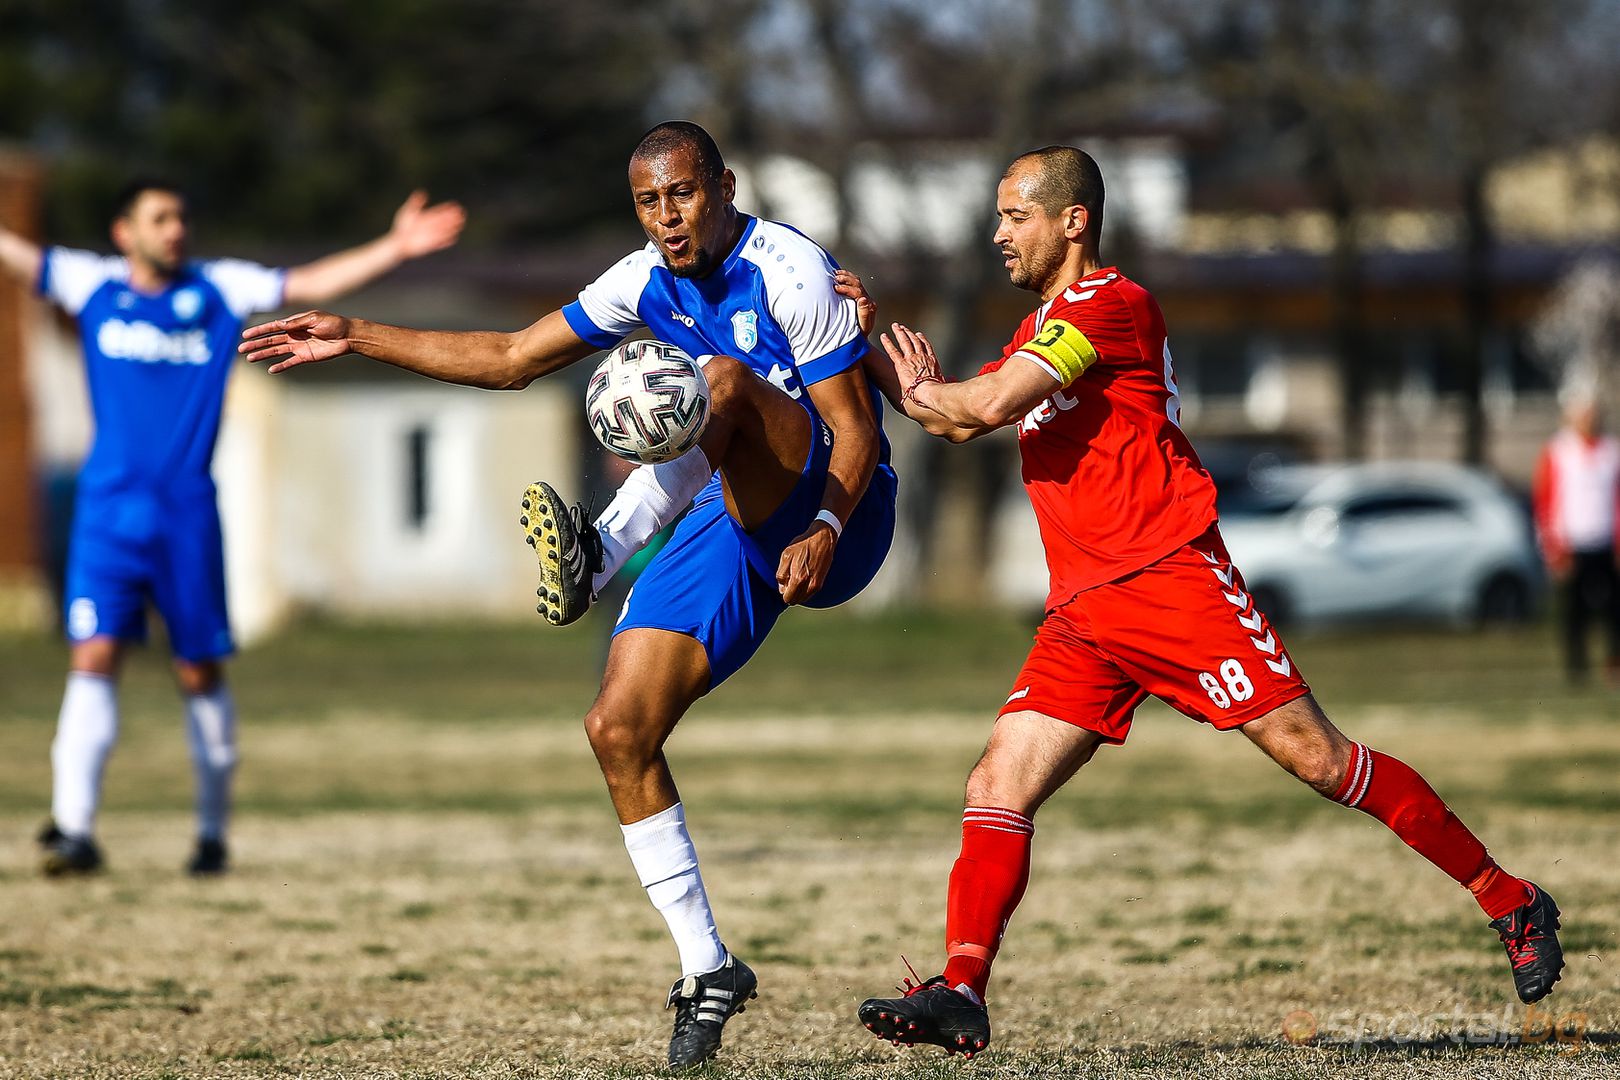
(429, 881)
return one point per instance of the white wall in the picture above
(315, 487)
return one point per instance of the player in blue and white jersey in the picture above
(159, 332)
(794, 497)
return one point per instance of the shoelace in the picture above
(1522, 951)
(685, 1016)
(914, 983)
(591, 554)
(686, 1008)
(1521, 944)
(689, 1007)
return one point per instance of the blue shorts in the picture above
(716, 582)
(128, 549)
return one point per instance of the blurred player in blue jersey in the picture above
(794, 494)
(159, 334)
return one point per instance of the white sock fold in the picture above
(86, 731)
(211, 730)
(667, 866)
(650, 498)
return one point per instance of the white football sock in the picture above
(665, 861)
(86, 730)
(649, 499)
(211, 730)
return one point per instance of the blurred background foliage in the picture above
(1336, 169)
(291, 117)
(306, 119)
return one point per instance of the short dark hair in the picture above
(674, 135)
(1068, 177)
(130, 193)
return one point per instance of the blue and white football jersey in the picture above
(771, 304)
(157, 363)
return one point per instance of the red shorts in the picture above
(1183, 629)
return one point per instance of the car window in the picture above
(1245, 501)
(1260, 492)
(1390, 505)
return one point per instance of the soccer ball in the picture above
(648, 401)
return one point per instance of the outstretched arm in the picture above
(959, 411)
(418, 229)
(20, 258)
(487, 359)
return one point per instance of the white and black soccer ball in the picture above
(648, 401)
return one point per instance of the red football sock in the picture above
(1389, 790)
(987, 882)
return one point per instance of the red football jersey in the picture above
(1114, 481)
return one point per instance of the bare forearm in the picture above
(845, 404)
(486, 359)
(958, 422)
(328, 278)
(849, 470)
(994, 399)
(20, 258)
(972, 405)
(881, 373)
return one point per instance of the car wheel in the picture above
(1504, 598)
(1272, 603)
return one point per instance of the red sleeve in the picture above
(995, 365)
(1541, 503)
(1104, 315)
(1006, 351)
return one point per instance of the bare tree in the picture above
(858, 88)
(1506, 80)
(1577, 335)
(1305, 94)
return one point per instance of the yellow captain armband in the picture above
(1062, 349)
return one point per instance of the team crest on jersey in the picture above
(187, 303)
(745, 330)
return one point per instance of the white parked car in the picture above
(1423, 540)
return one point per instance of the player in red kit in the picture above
(1144, 599)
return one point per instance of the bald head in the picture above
(1581, 412)
(1059, 177)
(673, 136)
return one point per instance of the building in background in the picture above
(351, 490)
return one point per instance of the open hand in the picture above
(305, 338)
(914, 361)
(420, 229)
(805, 563)
(847, 284)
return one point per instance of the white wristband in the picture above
(832, 519)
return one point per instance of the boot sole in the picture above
(886, 1022)
(542, 520)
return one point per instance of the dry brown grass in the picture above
(422, 894)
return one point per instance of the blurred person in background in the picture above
(1575, 497)
(159, 336)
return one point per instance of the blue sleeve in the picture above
(836, 362)
(580, 323)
